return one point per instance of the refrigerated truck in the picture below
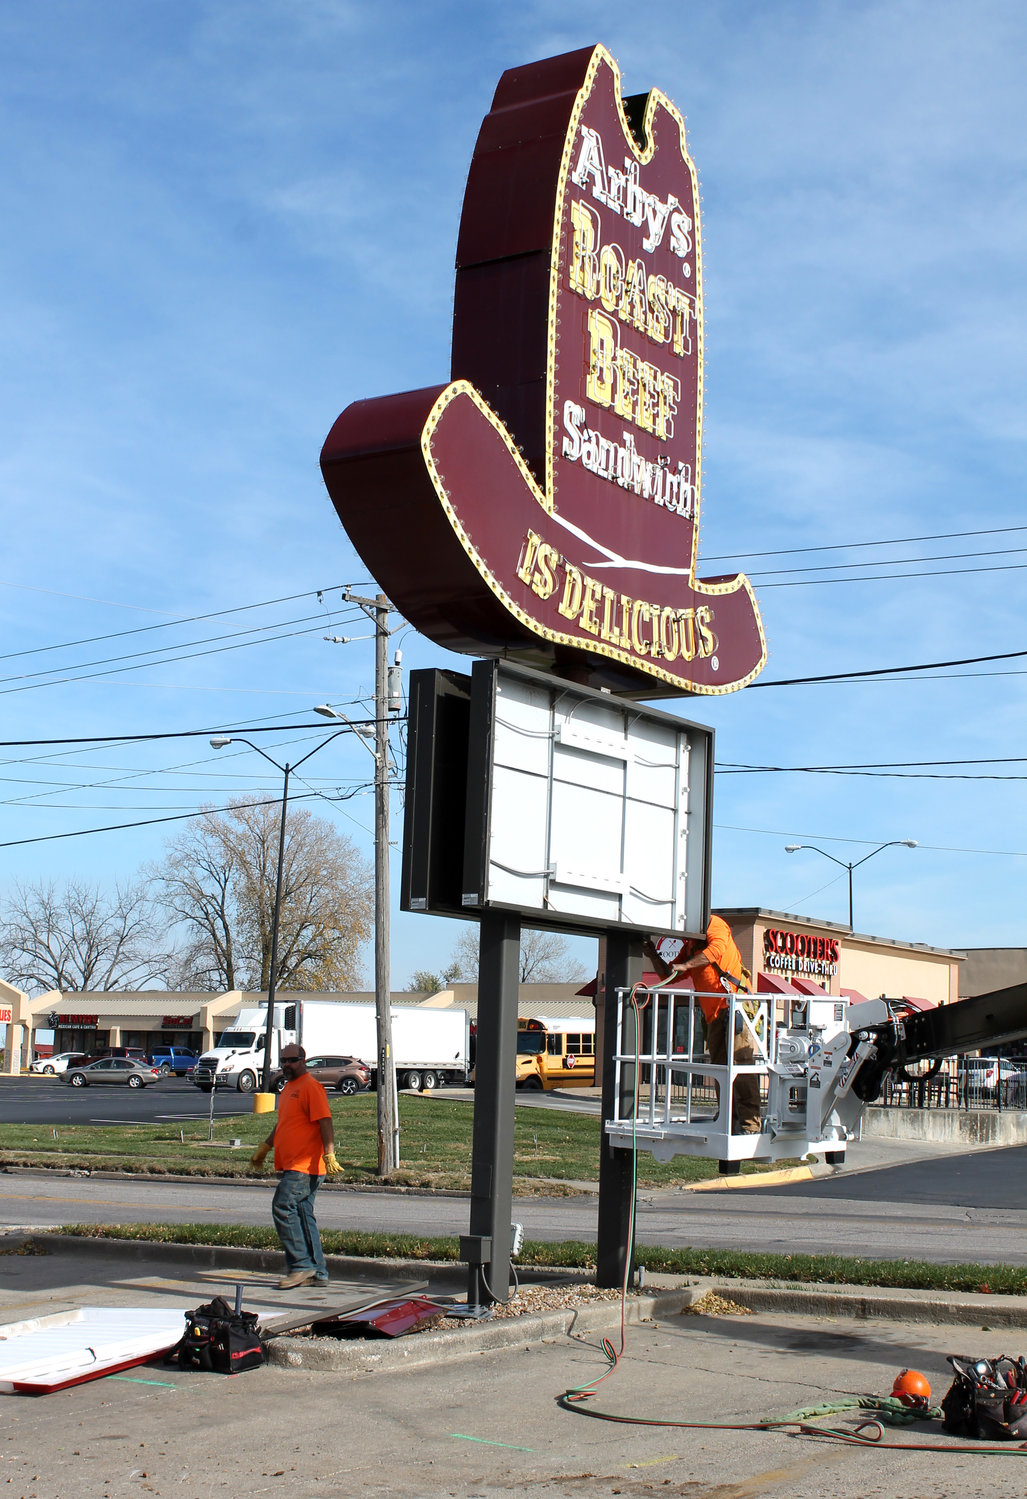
(430, 1046)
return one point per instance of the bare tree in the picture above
(218, 883)
(197, 884)
(76, 937)
(544, 958)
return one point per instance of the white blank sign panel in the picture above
(598, 809)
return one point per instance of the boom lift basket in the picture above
(672, 1100)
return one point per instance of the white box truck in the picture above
(430, 1046)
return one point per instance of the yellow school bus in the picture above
(556, 1053)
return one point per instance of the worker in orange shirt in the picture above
(718, 959)
(304, 1144)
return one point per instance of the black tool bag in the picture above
(218, 1338)
(987, 1398)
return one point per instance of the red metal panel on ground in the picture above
(389, 1319)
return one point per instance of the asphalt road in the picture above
(49, 1100)
(937, 1207)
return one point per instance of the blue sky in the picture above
(225, 221)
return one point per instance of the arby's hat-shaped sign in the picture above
(545, 503)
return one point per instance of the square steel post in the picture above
(614, 1249)
(486, 1248)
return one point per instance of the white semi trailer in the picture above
(430, 1046)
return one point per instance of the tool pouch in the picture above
(219, 1339)
(235, 1344)
(987, 1399)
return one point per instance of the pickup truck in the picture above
(173, 1059)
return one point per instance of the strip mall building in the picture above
(771, 942)
(842, 962)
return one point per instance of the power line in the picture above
(839, 546)
(883, 671)
(936, 848)
(883, 764)
(159, 650)
(952, 676)
(895, 775)
(188, 619)
(941, 572)
(828, 567)
(104, 739)
(247, 725)
(911, 770)
(164, 661)
(146, 822)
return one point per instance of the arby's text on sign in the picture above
(545, 501)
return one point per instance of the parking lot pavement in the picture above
(489, 1424)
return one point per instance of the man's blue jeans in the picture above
(293, 1212)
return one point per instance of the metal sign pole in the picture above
(614, 1250)
(486, 1248)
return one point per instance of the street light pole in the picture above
(272, 977)
(219, 741)
(793, 848)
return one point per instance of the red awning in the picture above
(649, 980)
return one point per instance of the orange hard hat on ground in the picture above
(912, 1388)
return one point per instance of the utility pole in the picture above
(377, 609)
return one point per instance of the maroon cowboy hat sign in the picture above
(545, 503)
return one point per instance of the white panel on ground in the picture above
(47, 1353)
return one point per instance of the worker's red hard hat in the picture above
(912, 1388)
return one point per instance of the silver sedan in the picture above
(121, 1070)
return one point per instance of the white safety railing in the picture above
(677, 1084)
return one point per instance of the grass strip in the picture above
(805, 1269)
(550, 1146)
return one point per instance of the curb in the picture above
(227, 1257)
(958, 1309)
(334, 1356)
(264, 1179)
(751, 1179)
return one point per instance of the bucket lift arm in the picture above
(895, 1040)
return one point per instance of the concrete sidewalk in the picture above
(485, 1422)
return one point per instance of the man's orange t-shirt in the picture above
(721, 950)
(301, 1103)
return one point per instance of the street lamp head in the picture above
(793, 848)
(220, 740)
(909, 843)
(326, 711)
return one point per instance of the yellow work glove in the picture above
(259, 1156)
(332, 1167)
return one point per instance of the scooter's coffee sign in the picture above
(800, 952)
(546, 501)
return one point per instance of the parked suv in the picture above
(173, 1059)
(136, 1053)
(344, 1074)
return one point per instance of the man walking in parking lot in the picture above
(304, 1144)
